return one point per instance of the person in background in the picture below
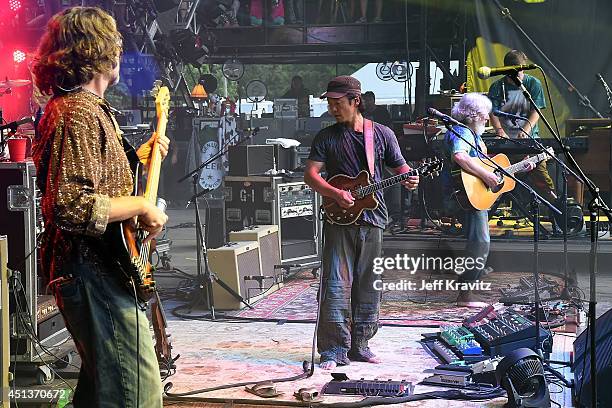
(393, 194)
(377, 113)
(276, 10)
(507, 97)
(297, 91)
(294, 11)
(364, 10)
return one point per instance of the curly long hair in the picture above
(79, 42)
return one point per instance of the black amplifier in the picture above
(293, 206)
(255, 160)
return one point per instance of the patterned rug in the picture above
(297, 300)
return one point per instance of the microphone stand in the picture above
(583, 100)
(596, 205)
(564, 172)
(203, 281)
(608, 93)
(536, 201)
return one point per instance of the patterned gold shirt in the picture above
(80, 165)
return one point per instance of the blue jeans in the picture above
(103, 320)
(349, 303)
(476, 227)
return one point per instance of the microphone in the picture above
(443, 117)
(14, 125)
(501, 114)
(256, 129)
(486, 72)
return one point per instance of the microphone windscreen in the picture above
(484, 72)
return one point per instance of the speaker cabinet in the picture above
(269, 245)
(238, 265)
(603, 358)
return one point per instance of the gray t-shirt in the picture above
(343, 152)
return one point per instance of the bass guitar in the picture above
(126, 239)
(363, 190)
(472, 193)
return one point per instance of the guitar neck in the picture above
(388, 182)
(521, 165)
(154, 169)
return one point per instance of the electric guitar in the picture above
(363, 190)
(472, 193)
(126, 238)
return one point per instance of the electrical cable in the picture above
(32, 334)
(307, 368)
(28, 325)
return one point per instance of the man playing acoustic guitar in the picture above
(472, 110)
(86, 182)
(349, 303)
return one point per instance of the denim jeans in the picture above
(349, 303)
(103, 319)
(476, 227)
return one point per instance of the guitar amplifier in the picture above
(21, 221)
(238, 265)
(269, 245)
(255, 160)
(269, 200)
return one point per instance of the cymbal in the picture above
(14, 83)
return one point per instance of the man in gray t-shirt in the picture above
(349, 301)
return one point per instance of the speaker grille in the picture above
(248, 265)
(270, 253)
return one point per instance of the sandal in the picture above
(307, 395)
(266, 389)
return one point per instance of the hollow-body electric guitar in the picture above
(472, 193)
(363, 190)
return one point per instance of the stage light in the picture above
(18, 56)
(521, 374)
(188, 47)
(14, 5)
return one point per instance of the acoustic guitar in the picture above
(472, 193)
(363, 190)
(126, 238)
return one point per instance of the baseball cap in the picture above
(341, 86)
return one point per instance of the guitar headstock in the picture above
(162, 98)
(431, 167)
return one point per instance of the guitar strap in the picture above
(368, 135)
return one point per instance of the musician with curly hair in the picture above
(86, 182)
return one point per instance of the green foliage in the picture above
(276, 77)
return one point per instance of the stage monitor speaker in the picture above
(269, 245)
(603, 356)
(4, 324)
(238, 265)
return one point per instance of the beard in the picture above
(480, 129)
